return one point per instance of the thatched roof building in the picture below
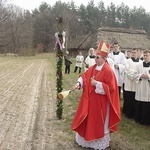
(80, 43)
(127, 38)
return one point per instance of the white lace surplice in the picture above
(99, 144)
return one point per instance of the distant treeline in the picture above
(24, 32)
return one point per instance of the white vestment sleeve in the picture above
(130, 73)
(81, 81)
(99, 88)
(121, 68)
(137, 77)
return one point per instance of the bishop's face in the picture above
(99, 60)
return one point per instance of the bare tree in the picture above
(16, 29)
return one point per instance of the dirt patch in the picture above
(27, 104)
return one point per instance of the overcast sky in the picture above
(31, 4)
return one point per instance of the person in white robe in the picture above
(79, 62)
(110, 62)
(128, 55)
(142, 96)
(119, 64)
(130, 84)
(140, 51)
(90, 59)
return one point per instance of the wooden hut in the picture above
(80, 44)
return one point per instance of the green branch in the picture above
(59, 56)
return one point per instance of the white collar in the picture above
(99, 67)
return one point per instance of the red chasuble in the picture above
(91, 112)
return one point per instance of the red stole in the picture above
(91, 112)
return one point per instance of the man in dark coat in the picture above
(67, 63)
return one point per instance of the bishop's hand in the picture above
(77, 85)
(93, 81)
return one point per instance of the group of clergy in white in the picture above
(137, 87)
(133, 76)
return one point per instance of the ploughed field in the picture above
(27, 103)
